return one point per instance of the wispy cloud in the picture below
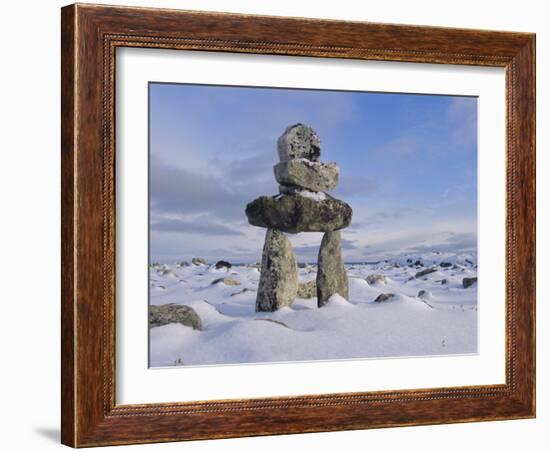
(180, 191)
(203, 224)
(454, 242)
(355, 185)
(406, 145)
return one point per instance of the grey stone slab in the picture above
(297, 213)
(331, 274)
(314, 176)
(278, 284)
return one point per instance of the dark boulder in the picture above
(424, 272)
(223, 264)
(384, 297)
(467, 282)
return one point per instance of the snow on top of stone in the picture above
(312, 163)
(315, 195)
(307, 161)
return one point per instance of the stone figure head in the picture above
(299, 141)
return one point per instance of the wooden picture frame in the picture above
(90, 36)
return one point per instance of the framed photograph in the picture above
(281, 225)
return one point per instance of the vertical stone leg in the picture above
(278, 284)
(331, 274)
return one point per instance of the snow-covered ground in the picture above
(441, 322)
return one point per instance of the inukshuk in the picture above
(302, 205)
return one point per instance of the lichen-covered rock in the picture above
(198, 261)
(167, 272)
(227, 281)
(182, 264)
(278, 283)
(164, 314)
(384, 297)
(331, 273)
(296, 213)
(314, 176)
(467, 282)
(299, 141)
(307, 289)
(375, 278)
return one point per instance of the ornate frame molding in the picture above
(90, 37)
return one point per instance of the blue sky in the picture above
(408, 168)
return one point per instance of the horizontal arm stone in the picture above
(296, 213)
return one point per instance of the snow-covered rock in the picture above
(375, 278)
(160, 315)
